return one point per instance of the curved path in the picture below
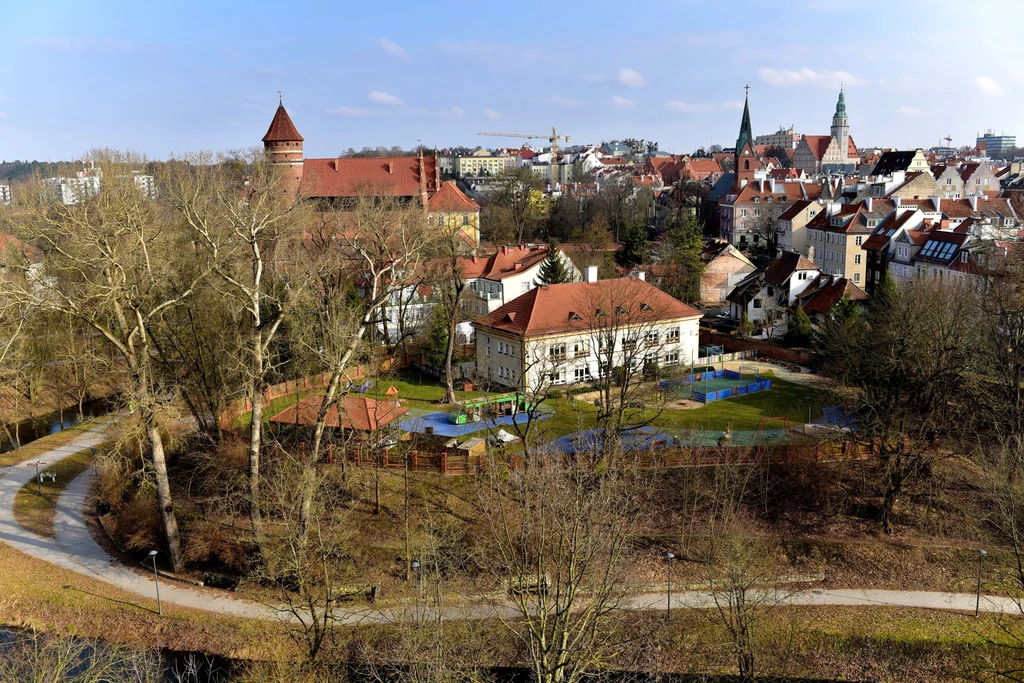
(74, 548)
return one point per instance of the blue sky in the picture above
(178, 76)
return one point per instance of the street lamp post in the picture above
(668, 603)
(981, 567)
(156, 577)
(39, 479)
(415, 566)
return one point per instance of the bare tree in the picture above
(911, 364)
(109, 264)
(558, 540)
(628, 331)
(518, 194)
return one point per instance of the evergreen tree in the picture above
(435, 346)
(800, 330)
(554, 271)
(634, 245)
(884, 296)
(685, 244)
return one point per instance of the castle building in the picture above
(834, 153)
(331, 182)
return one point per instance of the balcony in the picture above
(487, 296)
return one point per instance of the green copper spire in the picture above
(745, 134)
(841, 104)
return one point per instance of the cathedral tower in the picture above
(841, 127)
(745, 161)
(283, 147)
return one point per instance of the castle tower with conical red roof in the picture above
(283, 147)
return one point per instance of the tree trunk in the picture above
(163, 493)
(408, 565)
(376, 488)
(255, 443)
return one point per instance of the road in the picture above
(74, 548)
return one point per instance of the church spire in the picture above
(841, 104)
(745, 134)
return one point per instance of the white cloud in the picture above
(989, 87)
(688, 108)
(912, 112)
(498, 54)
(352, 112)
(557, 101)
(631, 78)
(595, 78)
(384, 98)
(491, 114)
(392, 48)
(785, 78)
(453, 113)
(623, 103)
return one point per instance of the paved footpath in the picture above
(74, 548)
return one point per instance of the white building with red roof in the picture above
(512, 271)
(570, 333)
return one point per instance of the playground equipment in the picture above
(475, 410)
(718, 384)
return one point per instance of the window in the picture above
(856, 259)
(757, 199)
(856, 277)
(526, 287)
(557, 377)
(652, 337)
(743, 213)
(556, 351)
(582, 374)
(672, 336)
(757, 303)
(628, 343)
(672, 358)
(857, 242)
(580, 348)
(771, 291)
(757, 213)
(465, 220)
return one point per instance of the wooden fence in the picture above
(455, 464)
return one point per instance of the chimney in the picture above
(868, 202)
(810, 252)
(896, 202)
(642, 276)
(391, 168)
(591, 272)
(504, 249)
(973, 199)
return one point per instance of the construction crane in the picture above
(553, 139)
(948, 139)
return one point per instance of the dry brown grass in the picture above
(36, 594)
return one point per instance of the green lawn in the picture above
(795, 401)
(798, 402)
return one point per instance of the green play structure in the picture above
(475, 410)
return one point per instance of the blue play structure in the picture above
(715, 385)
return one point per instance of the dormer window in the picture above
(645, 307)
(757, 200)
(768, 199)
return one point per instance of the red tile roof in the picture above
(451, 199)
(508, 261)
(828, 294)
(582, 306)
(281, 128)
(349, 412)
(386, 176)
(794, 210)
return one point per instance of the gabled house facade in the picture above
(572, 333)
(512, 271)
(765, 296)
